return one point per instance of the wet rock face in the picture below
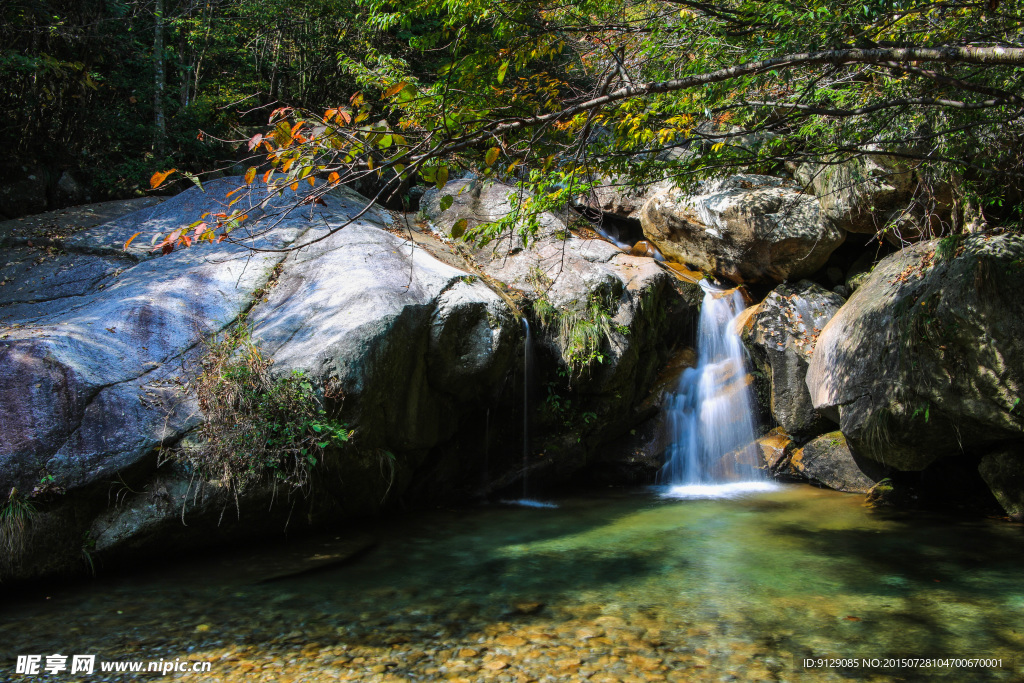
(828, 460)
(781, 333)
(1003, 471)
(745, 228)
(926, 359)
(776, 448)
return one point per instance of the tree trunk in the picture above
(160, 79)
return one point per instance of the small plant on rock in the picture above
(257, 425)
(15, 519)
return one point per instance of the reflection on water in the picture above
(622, 587)
(733, 490)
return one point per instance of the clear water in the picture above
(621, 586)
(711, 413)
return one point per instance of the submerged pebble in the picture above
(627, 588)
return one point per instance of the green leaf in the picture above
(442, 177)
(459, 229)
(501, 72)
(447, 201)
(194, 179)
(492, 156)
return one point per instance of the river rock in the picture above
(870, 193)
(776, 448)
(746, 228)
(1003, 471)
(926, 358)
(574, 275)
(781, 333)
(828, 460)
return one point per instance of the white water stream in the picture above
(711, 415)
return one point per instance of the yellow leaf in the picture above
(394, 90)
(492, 156)
(717, 146)
(159, 177)
(312, 180)
(250, 175)
(287, 165)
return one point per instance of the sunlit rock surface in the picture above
(746, 228)
(98, 344)
(869, 194)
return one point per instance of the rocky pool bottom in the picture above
(609, 586)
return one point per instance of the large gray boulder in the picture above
(926, 359)
(97, 347)
(580, 278)
(870, 193)
(781, 333)
(745, 228)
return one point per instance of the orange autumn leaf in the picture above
(333, 178)
(394, 90)
(159, 177)
(130, 240)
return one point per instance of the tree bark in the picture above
(159, 79)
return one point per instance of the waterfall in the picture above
(527, 371)
(526, 501)
(710, 416)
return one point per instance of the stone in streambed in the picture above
(1003, 471)
(828, 460)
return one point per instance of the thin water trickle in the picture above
(711, 416)
(528, 353)
(527, 371)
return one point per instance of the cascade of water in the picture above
(711, 413)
